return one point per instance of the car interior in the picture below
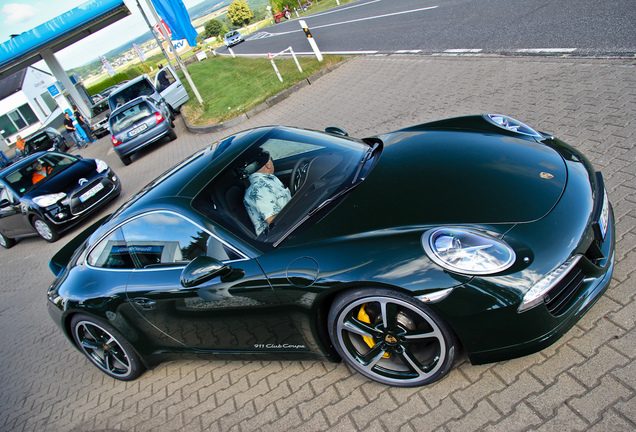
(317, 172)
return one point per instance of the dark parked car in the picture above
(393, 253)
(137, 124)
(48, 192)
(100, 112)
(46, 139)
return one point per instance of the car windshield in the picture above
(37, 141)
(25, 177)
(128, 117)
(313, 167)
(232, 33)
(140, 88)
(99, 108)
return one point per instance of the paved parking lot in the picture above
(586, 381)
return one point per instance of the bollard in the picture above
(311, 40)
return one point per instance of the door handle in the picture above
(145, 303)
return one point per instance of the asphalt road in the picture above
(584, 382)
(584, 27)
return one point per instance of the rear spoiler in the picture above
(61, 259)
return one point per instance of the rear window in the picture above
(140, 88)
(128, 117)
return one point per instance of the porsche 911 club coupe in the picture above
(48, 192)
(392, 253)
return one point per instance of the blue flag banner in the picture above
(176, 16)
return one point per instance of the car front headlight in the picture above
(101, 165)
(467, 251)
(48, 200)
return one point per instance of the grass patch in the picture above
(231, 86)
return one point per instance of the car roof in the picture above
(128, 84)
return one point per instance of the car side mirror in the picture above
(336, 131)
(203, 269)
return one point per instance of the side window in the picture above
(157, 240)
(111, 252)
(4, 194)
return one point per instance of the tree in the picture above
(239, 13)
(214, 28)
(278, 5)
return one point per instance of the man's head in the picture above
(66, 115)
(261, 162)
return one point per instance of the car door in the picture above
(12, 221)
(171, 88)
(235, 312)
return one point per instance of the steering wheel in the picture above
(299, 174)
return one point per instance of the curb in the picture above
(269, 102)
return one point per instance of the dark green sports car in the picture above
(393, 253)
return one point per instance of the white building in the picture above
(25, 103)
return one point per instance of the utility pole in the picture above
(176, 56)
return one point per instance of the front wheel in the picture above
(45, 229)
(106, 348)
(391, 338)
(6, 242)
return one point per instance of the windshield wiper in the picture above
(316, 209)
(364, 160)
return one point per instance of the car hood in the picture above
(66, 180)
(451, 177)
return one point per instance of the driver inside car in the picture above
(266, 195)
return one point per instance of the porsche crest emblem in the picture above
(546, 175)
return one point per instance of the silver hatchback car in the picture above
(137, 124)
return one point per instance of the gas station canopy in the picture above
(24, 50)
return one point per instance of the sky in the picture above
(17, 16)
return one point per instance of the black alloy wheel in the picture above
(106, 348)
(391, 338)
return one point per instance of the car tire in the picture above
(172, 135)
(106, 348)
(45, 229)
(125, 160)
(415, 349)
(6, 242)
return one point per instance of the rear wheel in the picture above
(391, 338)
(172, 135)
(106, 348)
(6, 242)
(125, 160)
(45, 229)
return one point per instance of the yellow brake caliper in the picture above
(364, 317)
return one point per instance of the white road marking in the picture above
(546, 50)
(463, 51)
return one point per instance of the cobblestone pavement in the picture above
(586, 381)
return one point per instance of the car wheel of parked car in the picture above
(45, 229)
(125, 160)
(6, 242)
(391, 338)
(106, 348)
(172, 135)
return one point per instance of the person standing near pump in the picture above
(70, 128)
(83, 124)
(19, 146)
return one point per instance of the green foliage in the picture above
(214, 28)
(239, 13)
(240, 84)
(278, 5)
(111, 81)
